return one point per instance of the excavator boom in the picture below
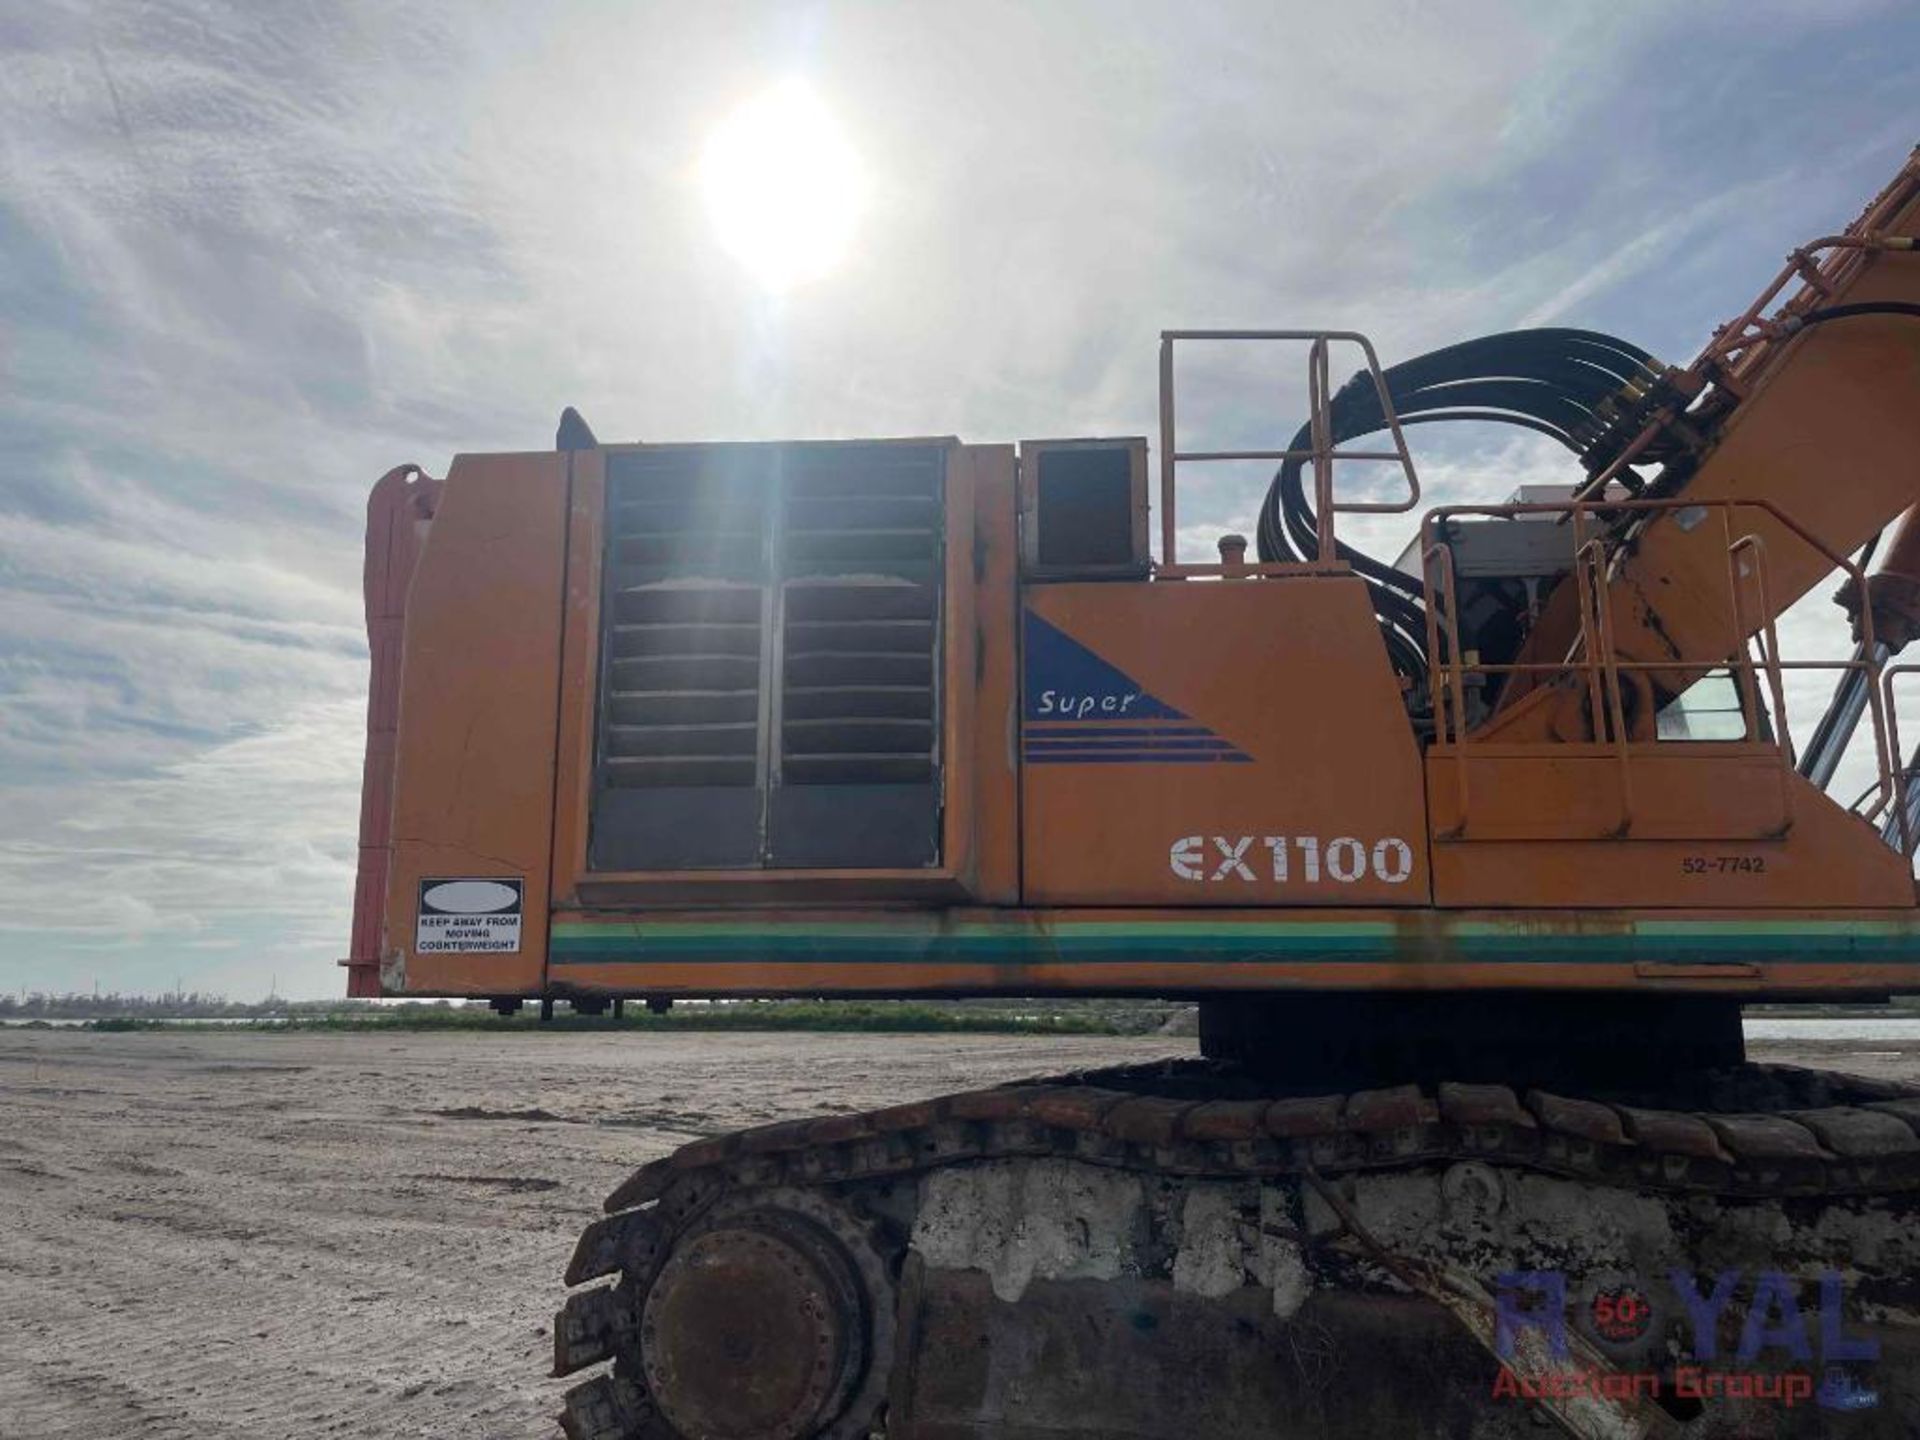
(1791, 431)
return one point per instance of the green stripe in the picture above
(1427, 940)
(936, 922)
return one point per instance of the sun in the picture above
(784, 188)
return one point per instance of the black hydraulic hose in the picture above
(1552, 381)
(1847, 312)
(1299, 537)
(1576, 370)
(1560, 396)
(1472, 357)
(1564, 383)
(1522, 397)
(1865, 557)
(1552, 377)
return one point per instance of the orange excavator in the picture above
(1470, 860)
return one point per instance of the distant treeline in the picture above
(188, 1005)
(996, 1016)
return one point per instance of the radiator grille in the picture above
(770, 660)
(860, 609)
(683, 651)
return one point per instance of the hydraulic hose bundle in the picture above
(1575, 385)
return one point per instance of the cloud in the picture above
(252, 255)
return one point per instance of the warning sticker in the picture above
(479, 915)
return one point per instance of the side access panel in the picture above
(473, 797)
(1237, 743)
(1714, 829)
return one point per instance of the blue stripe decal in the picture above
(1141, 757)
(1117, 743)
(1054, 731)
(1080, 709)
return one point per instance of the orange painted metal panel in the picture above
(579, 671)
(1321, 800)
(1829, 857)
(480, 671)
(959, 671)
(398, 513)
(992, 766)
(644, 890)
(1670, 791)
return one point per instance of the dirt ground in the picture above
(362, 1234)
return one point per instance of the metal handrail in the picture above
(1322, 452)
(1596, 628)
(1903, 816)
(1598, 659)
(1839, 255)
(1776, 688)
(1449, 703)
(1732, 358)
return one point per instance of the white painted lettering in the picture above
(1343, 860)
(1309, 857)
(1278, 845)
(1346, 860)
(1231, 852)
(1184, 858)
(1392, 860)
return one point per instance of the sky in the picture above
(252, 255)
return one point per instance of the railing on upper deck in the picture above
(1322, 450)
(1597, 660)
(1731, 361)
(1901, 826)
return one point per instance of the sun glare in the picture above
(783, 187)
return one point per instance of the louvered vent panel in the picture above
(686, 551)
(862, 548)
(769, 693)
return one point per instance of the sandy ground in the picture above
(226, 1235)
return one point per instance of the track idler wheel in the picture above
(768, 1317)
(754, 1329)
